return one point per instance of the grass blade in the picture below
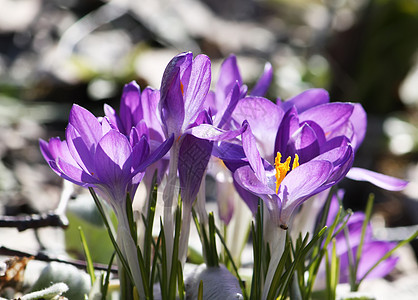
(90, 266)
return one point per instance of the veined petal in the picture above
(212, 133)
(138, 132)
(251, 152)
(228, 75)
(157, 154)
(75, 174)
(232, 155)
(56, 148)
(198, 87)
(225, 111)
(106, 125)
(86, 124)
(113, 160)
(249, 198)
(194, 157)
(262, 85)
(264, 118)
(383, 181)
(288, 125)
(334, 150)
(149, 111)
(329, 116)
(130, 113)
(114, 119)
(246, 178)
(305, 143)
(306, 100)
(140, 152)
(171, 103)
(80, 151)
(300, 184)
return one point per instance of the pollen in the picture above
(283, 168)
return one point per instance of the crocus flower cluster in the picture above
(282, 152)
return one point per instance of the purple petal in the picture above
(184, 61)
(198, 87)
(80, 151)
(171, 103)
(225, 112)
(300, 184)
(383, 181)
(149, 112)
(251, 152)
(334, 150)
(140, 152)
(264, 118)
(75, 174)
(173, 84)
(157, 154)
(306, 100)
(113, 160)
(249, 198)
(288, 125)
(114, 119)
(247, 179)
(329, 116)
(372, 252)
(359, 121)
(138, 132)
(262, 85)
(232, 155)
(228, 75)
(56, 148)
(202, 118)
(212, 133)
(106, 125)
(194, 157)
(86, 124)
(305, 143)
(129, 106)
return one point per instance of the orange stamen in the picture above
(182, 88)
(283, 168)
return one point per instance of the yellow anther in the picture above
(295, 162)
(283, 168)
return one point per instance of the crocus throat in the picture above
(283, 168)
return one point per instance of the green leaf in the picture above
(212, 241)
(200, 293)
(105, 284)
(368, 213)
(181, 289)
(90, 266)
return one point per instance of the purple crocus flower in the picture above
(140, 110)
(311, 103)
(373, 250)
(303, 142)
(184, 87)
(95, 154)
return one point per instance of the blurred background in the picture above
(54, 53)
